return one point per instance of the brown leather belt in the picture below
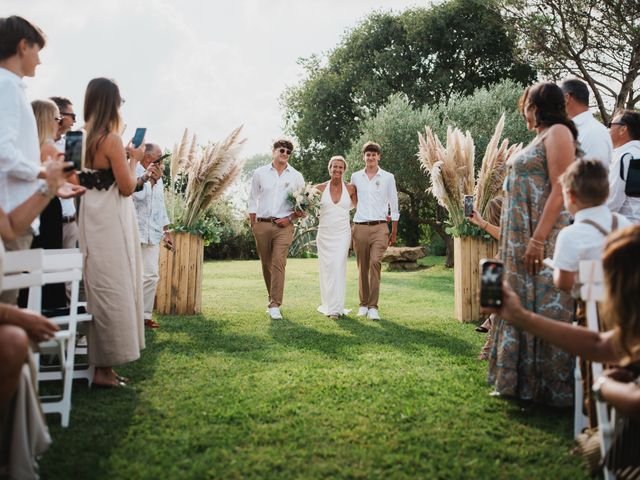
(266, 219)
(375, 222)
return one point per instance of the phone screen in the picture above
(138, 137)
(491, 283)
(468, 205)
(74, 148)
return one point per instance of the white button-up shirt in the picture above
(618, 200)
(151, 210)
(581, 241)
(268, 195)
(376, 196)
(68, 204)
(594, 138)
(19, 146)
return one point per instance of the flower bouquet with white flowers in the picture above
(305, 199)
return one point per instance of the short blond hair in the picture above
(334, 158)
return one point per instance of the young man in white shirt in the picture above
(593, 136)
(20, 44)
(272, 218)
(585, 188)
(377, 199)
(625, 135)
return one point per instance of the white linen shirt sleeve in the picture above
(617, 185)
(392, 198)
(566, 254)
(253, 193)
(12, 161)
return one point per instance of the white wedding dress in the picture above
(333, 240)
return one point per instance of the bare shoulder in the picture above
(351, 188)
(49, 150)
(321, 186)
(559, 133)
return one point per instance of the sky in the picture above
(208, 66)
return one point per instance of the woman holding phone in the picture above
(108, 234)
(619, 345)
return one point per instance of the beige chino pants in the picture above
(273, 244)
(369, 242)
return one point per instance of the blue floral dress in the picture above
(520, 364)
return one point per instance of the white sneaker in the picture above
(362, 311)
(274, 313)
(373, 314)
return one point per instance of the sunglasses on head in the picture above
(616, 123)
(285, 150)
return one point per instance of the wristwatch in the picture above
(597, 386)
(43, 189)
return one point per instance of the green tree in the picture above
(396, 125)
(428, 54)
(595, 40)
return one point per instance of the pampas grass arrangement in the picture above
(493, 169)
(208, 171)
(451, 170)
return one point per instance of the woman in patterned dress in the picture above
(521, 365)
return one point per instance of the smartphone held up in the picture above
(74, 149)
(491, 278)
(468, 205)
(138, 137)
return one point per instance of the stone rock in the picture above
(403, 266)
(404, 254)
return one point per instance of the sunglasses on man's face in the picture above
(72, 115)
(285, 150)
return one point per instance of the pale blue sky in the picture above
(206, 65)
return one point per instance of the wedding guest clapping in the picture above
(334, 238)
(109, 237)
(521, 365)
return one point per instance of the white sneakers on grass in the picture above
(370, 313)
(373, 314)
(274, 313)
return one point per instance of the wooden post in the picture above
(180, 286)
(467, 253)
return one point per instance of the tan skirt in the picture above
(108, 234)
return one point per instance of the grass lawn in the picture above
(232, 394)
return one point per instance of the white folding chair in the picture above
(592, 291)
(60, 266)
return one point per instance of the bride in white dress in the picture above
(334, 238)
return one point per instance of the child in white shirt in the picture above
(585, 188)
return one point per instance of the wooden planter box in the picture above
(467, 252)
(180, 285)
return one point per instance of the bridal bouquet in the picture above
(305, 199)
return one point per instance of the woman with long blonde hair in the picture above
(108, 235)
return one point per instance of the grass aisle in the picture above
(232, 394)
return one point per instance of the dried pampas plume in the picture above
(209, 171)
(451, 169)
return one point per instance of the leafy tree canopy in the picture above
(597, 41)
(427, 54)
